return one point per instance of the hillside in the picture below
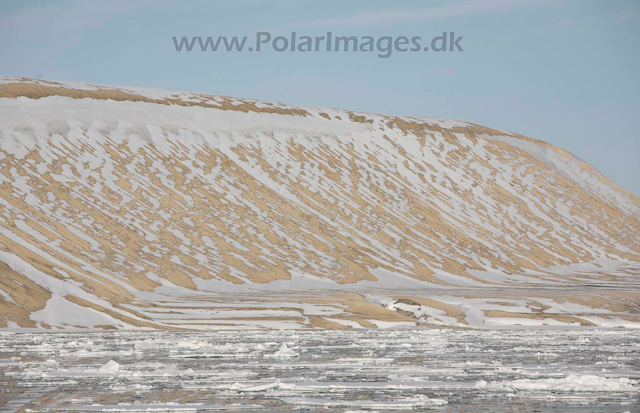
(140, 208)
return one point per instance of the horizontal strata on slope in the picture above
(110, 193)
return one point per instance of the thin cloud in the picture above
(386, 17)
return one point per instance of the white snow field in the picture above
(357, 370)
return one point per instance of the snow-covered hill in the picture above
(139, 208)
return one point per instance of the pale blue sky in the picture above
(565, 71)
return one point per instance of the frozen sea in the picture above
(356, 370)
